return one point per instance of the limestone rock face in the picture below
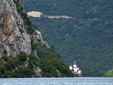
(13, 32)
(38, 72)
(38, 36)
(13, 35)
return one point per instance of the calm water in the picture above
(57, 81)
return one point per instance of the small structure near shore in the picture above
(73, 67)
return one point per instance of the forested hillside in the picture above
(86, 38)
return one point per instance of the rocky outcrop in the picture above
(38, 72)
(13, 32)
(35, 14)
(38, 36)
(12, 40)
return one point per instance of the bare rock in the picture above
(12, 40)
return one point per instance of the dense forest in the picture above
(47, 63)
(86, 38)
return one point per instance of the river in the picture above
(57, 81)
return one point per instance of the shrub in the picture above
(5, 58)
(22, 56)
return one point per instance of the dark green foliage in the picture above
(22, 57)
(23, 72)
(15, 66)
(19, 73)
(21, 31)
(33, 61)
(43, 51)
(86, 38)
(34, 46)
(5, 52)
(28, 24)
(50, 65)
(50, 62)
(5, 58)
(10, 65)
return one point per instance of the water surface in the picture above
(57, 81)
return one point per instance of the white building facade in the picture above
(75, 69)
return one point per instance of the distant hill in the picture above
(86, 38)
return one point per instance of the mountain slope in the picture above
(86, 38)
(23, 51)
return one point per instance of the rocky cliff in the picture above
(13, 32)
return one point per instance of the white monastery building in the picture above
(75, 69)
